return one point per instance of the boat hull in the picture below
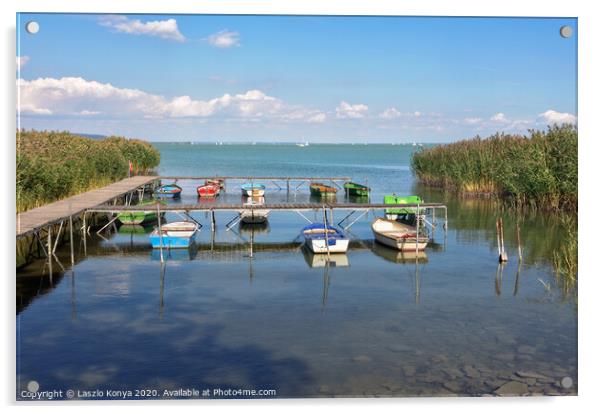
(254, 192)
(254, 216)
(357, 190)
(137, 217)
(208, 191)
(176, 235)
(320, 246)
(322, 190)
(170, 242)
(404, 245)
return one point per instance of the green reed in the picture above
(52, 165)
(538, 170)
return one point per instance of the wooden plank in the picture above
(36, 218)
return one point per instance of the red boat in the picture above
(207, 190)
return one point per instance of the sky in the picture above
(294, 78)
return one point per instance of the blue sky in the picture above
(295, 78)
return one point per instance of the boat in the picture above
(254, 215)
(302, 145)
(398, 235)
(253, 190)
(220, 182)
(208, 190)
(325, 239)
(322, 190)
(395, 213)
(169, 191)
(178, 234)
(322, 260)
(139, 217)
(354, 189)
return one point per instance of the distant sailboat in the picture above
(303, 144)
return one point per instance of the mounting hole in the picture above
(566, 31)
(32, 27)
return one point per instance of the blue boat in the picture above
(168, 191)
(253, 190)
(176, 235)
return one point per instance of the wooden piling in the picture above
(160, 232)
(503, 257)
(520, 249)
(71, 239)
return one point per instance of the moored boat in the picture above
(322, 190)
(207, 190)
(253, 190)
(178, 234)
(254, 215)
(398, 235)
(354, 189)
(220, 182)
(169, 191)
(139, 217)
(394, 213)
(325, 239)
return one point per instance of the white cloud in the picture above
(346, 110)
(165, 29)
(317, 118)
(472, 121)
(224, 39)
(554, 117)
(22, 61)
(417, 114)
(71, 96)
(499, 117)
(390, 113)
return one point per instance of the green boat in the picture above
(354, 189)
(392, 213)
(139, 217)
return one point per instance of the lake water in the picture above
(376, 324)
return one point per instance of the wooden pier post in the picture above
(160, 232)
(71, 239)
(326, 236)
(520, 249)
(503, 257)
(49, 254)
(417, 215)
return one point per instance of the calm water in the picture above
(377, 323)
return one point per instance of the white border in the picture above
(589, 88)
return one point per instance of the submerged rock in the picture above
(512, 388)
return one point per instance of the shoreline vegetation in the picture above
(538, 171)
(52, 165)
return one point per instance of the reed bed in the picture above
(538, 170)
(52, 165)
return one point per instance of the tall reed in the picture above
(52, 165)
(538, 170)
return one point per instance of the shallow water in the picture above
(374, 323)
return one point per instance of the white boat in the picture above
(325, 239)
(254, 215)
(178, 234)
(179, 229)
(397, 235)
(253, 190)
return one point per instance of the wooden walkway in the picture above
(37, 218)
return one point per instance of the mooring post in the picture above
(71, 239)
(50, 252)
(331, 215)
(326, 235)
(417, 215)
(160, 232)
(520, 249)
(213, 220)
(504, 256)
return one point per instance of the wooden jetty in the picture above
(38, 218)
